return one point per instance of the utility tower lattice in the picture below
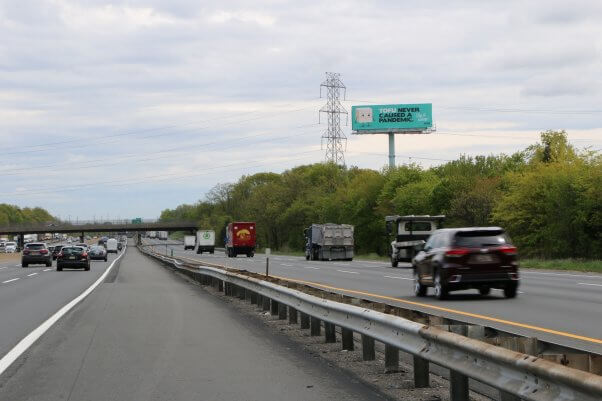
(334, 135)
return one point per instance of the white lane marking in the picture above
(286, 264)
(597, 285)
(311, 267)
(17, 265)
(562, 274)
(12, 279)
(32, 274)
(399, 278)
(5, 267)
(45, 270)
(32, 337)
(347, 271)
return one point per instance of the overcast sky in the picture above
(122, 109)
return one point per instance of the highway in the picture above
(29, 296)
(146, 334)
(560, 307)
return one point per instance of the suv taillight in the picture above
(457, 252)
(84, 255)
(507, 249)
(44, 251)
(60, 255)
(26, 252)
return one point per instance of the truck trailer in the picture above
(241, 239)
(411, 232)
(205, 241)
(329, 242)
(162, 235)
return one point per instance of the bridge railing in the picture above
(91, 225)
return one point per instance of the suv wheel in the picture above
(484, 291)
(440, 289)
(510, 291)
(419, 288)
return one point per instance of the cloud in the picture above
(101, 90)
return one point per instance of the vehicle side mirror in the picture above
(389, 227)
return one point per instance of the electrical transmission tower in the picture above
(333, 108)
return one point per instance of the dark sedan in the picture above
(98, 253)
(73, 257)
(462, 258)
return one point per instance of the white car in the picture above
(10, 247)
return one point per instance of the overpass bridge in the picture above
(82, 227)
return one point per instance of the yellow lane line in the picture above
(443, 309)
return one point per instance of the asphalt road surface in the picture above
(29, 296)
(561, 307)
(147, 334)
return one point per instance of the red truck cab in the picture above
(241, 239)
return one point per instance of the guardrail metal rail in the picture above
(517, 375)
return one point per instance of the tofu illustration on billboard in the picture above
(363, 115)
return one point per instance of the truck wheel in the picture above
(440, 288)
(24, 265)
(306, 256)
(211, 251)
(394, 261)
(510, 291)
(59, 269)
(419, 288)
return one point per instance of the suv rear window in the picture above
(72, 250)
(478, 239)
(35, 246)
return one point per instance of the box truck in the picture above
(241, 239)
(162, 235)
(410, 234)
(189, 242)
(205, 240)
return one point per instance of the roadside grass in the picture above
(10, 256)
(562, 264)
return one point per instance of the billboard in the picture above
(391, 117)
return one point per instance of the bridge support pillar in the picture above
(21, 241)
(81, 237)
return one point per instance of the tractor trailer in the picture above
(329, 242)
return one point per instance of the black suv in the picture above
(463, 258)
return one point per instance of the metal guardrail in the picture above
(517, 376)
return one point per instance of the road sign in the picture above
(137, 220)
(386, 118)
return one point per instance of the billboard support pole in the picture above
(391, 150)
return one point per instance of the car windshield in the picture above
(478, 239)
(96, 248)
(72, 250)
(35, 246)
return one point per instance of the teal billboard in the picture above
(391, 117)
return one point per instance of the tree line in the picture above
(13, 215)
(547, 196)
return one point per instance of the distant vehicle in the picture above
(205, 240)
(2, 246)
(56, 251)
(83, 245)
(189, 242)
(98, 252)
(103, 241)
(240, 239)
(411, 232)
(463, 258)
(111, 245)
(36, 253)
(27, 238)
(152, 234)
(162, 235)
(73, 257)
(329, 242)
(119, 246)
(10, 247)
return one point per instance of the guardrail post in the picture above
(281, 311)
(504, 396)
(248, 295)
(368, 349)
(292, 315)
(347, 339)
(316, 329)
(260, 300)
(274, 310)
(421, 372)
(227, 289)
(242, 293)
(304, 320)
(330, 335)
(266, 303)
(220, 286)
(458, 386)
(254, 298)
(391, 359)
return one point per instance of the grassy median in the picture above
(563, 264)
